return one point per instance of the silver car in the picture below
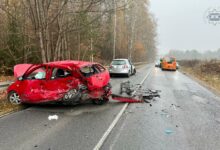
(122, 66)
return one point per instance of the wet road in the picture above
(187, 116)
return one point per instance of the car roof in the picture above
(69, 63)
(120, 59)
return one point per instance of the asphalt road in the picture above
(187, 116)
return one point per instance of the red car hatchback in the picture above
(69, 82)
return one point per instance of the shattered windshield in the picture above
(39, 74)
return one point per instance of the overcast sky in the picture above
(182, 24)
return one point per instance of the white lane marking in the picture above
(112, 125)
(146, 76)
(108, 131)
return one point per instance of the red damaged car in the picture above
(69, 82)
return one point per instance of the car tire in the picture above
(100, 101)
(14, 98)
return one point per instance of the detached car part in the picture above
(134, 93)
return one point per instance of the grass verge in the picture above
(5, 106)
(206, 72)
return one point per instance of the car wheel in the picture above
(100, 101)
(14, 98)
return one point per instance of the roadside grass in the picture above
(5, 106)
(206, 71)
(6, 78)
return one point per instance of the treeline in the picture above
(195, 55)
(34, 31)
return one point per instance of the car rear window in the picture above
(169, 60)
(87, 71)
(118, 62)
(100, 68)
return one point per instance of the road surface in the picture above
(186, 117)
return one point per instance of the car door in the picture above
(60, 81)
(33, 84)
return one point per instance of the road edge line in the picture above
(10, 112)
(115, 121)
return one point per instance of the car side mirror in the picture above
(20, 78)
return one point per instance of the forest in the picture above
(40, 31)
(195, 54)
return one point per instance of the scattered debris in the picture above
(86, 136)
(217, 120)
(164, 110)
(53, 117)
(150, 105)
(135, 94)
(139, 107)
(164, 113)
(35, 146)
(147, 101)
(168, 131)
(126, 99)
(129, 112)
(175, 105)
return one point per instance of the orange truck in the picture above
(169, 63)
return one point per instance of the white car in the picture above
(122, 67)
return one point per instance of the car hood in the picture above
(20, 69)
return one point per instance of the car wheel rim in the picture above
(15, 99)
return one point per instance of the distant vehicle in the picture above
(69, 82)
(122, 67)
(177, 65)
(169, 63)
(158, 63)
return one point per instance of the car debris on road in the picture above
(135, 93)
(53, 117)
(168, 131)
